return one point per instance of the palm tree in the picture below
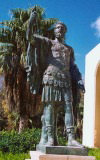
(13, 46)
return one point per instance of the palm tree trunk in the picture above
(23, 122)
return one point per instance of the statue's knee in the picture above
(68, 107)
(43, 120)
(49, 120)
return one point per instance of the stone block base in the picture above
(65, 157)
(62, 150)
(36, 155)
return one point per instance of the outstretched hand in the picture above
(34, 9)
(32, 21)
(33, 12)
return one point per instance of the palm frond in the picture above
(49, 23)
(6, 48)
(5, 35)
(13, 24)
(16, 13)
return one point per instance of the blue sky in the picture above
(82, 18)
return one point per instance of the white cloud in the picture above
(96, 26)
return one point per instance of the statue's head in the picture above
(60, 29)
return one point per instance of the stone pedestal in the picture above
(65, 157)
(36, 155)
(62, 150)
(60, 153)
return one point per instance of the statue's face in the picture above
(59, 31)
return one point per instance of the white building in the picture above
(91, 120)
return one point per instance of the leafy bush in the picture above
(62, 140)
(12, 141)
(10, 156)
(23, 142)
(94, 152)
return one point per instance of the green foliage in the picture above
(62, 141)
(11, 141)
(95, 152)
(10, 156)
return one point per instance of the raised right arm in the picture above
(30, 36)
(32, 20)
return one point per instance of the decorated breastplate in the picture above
(57, 72)
(59, 59)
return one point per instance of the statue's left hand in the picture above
(81, 85)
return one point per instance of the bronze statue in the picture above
(50, 68)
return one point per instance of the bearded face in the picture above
(59, 31)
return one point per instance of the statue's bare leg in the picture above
(44, 136)
(55, 128)
(49, 120)
(69, 120)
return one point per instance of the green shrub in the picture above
(62, 141)
(95, 152)
(10, 156)
(12, 141)
(18, 143)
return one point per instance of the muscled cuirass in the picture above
(57, 72)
